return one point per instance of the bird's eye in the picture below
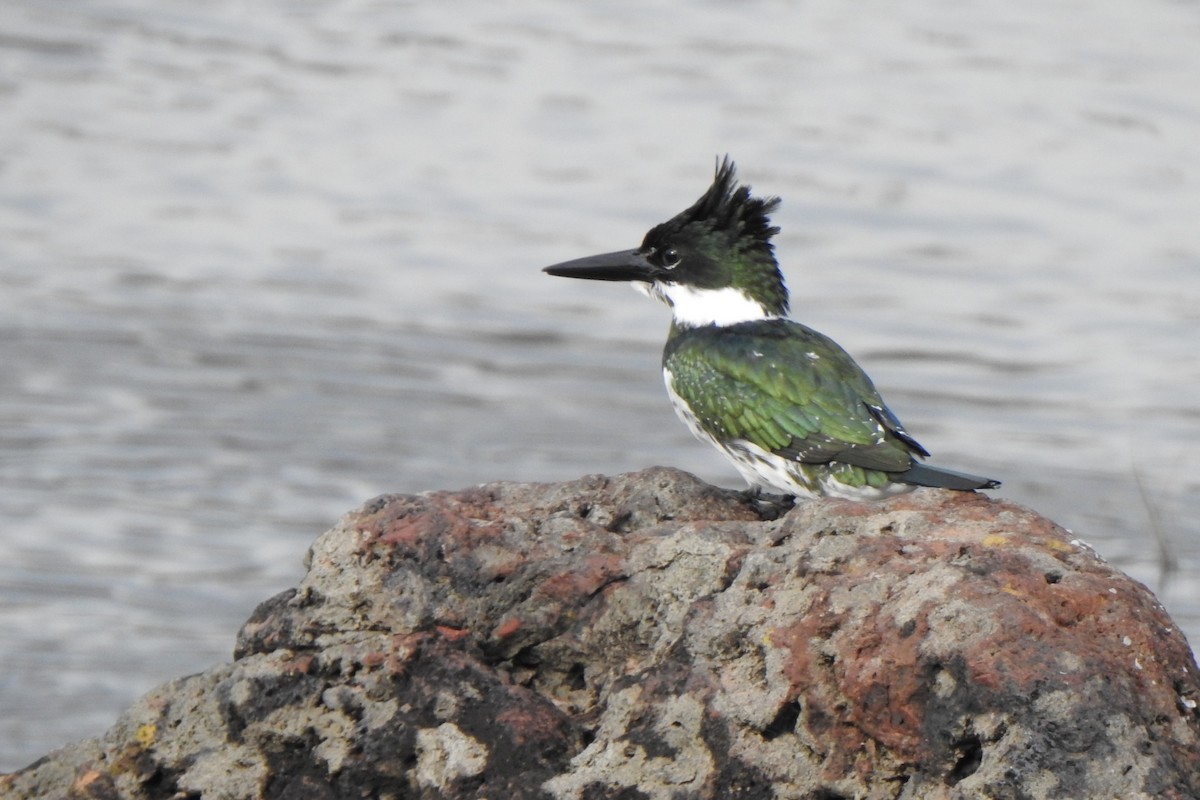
(670, 258)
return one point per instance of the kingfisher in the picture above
(786, 404)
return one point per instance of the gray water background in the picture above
(261, 262)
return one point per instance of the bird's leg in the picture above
(768, 506)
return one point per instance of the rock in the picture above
(649, 636)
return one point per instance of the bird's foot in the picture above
(768, 506)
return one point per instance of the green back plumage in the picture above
(788, 389)
(788, 406)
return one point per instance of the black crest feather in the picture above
(727, 234)
(728, 207)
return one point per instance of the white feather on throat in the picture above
(694, 307)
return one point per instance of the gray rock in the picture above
(649, 636)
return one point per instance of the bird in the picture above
(786, 404)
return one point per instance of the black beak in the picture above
(626, 265)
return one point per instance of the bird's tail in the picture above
(938, 478)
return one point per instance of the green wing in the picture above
(788, 389)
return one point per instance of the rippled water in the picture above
(260, 263)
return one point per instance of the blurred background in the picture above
(262, 262)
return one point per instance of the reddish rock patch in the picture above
(650, 636)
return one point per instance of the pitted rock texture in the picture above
(649, 636)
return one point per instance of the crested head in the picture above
(713, 264)
(716, 261)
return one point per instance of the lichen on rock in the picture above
(650, 636)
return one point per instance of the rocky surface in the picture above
(649, 636)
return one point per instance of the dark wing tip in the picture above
(891, 423)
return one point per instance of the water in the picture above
(261, 263)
